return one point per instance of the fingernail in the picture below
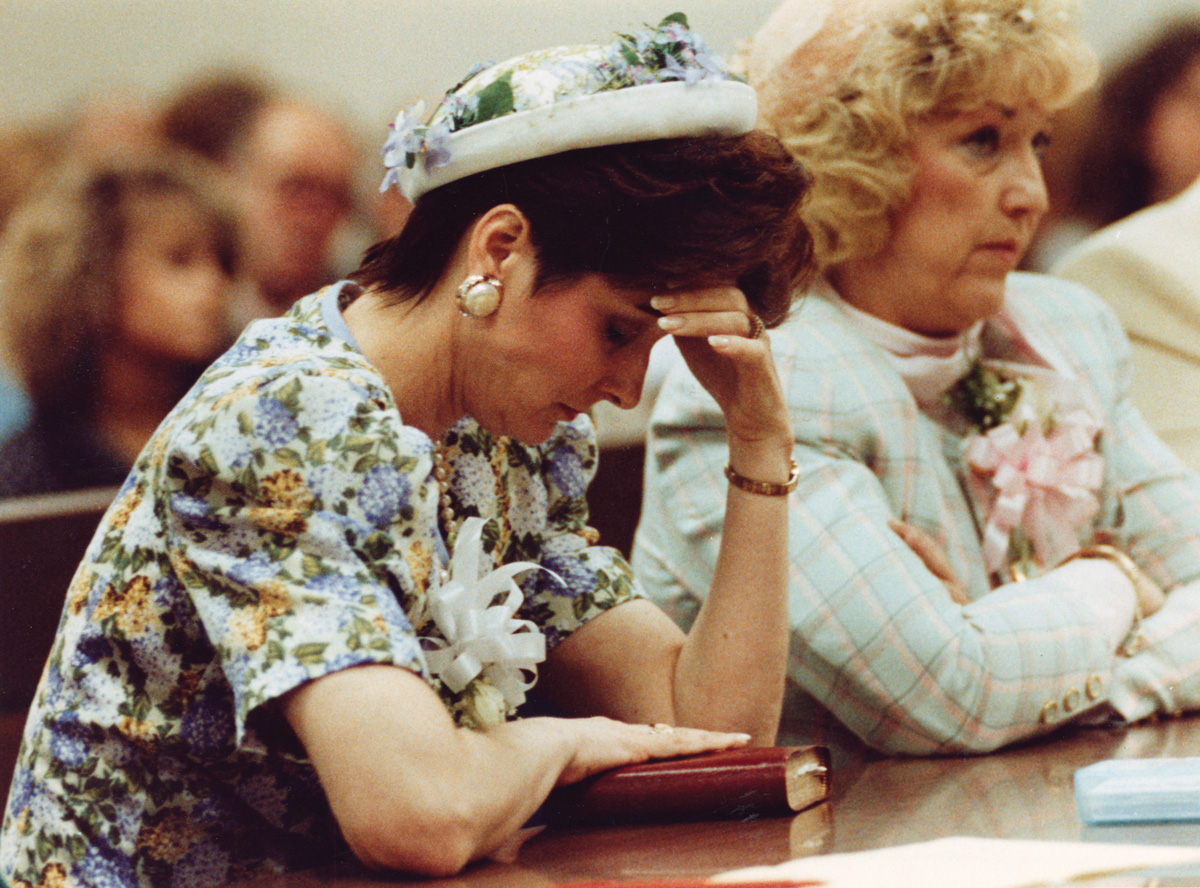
(660, 302)
(670, 323)
(720, 341)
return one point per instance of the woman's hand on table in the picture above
(600, 744)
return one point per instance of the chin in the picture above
(985, 303)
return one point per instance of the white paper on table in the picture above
(958, 861)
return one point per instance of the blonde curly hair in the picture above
(842, 82)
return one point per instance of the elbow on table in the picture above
(939, 735)
(437, 845)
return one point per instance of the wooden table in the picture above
(1024, 793)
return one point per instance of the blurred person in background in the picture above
(1139, 142)
(293, 168)
(114, 281)
(1146, 264)
(27, 152)
(109, 124)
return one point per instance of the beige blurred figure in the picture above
(1145, 263)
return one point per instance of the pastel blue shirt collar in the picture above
(332, 315)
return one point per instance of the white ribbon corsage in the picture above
(485, 654)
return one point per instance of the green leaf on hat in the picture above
(676, 18)
(495, 99)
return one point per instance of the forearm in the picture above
(887, 650)
(413, 792)
(731, 669)
(409, 790)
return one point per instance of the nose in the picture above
(623, 386)
(1025, 192)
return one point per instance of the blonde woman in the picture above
(984, 527)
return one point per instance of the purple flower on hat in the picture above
(668, 52)
(404, 142)
(402, 135)
(436, 145)
(675, 70)
(460, 106)
(409, 138)
(679, 33)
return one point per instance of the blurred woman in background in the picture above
(1135, 145)
(114, 282)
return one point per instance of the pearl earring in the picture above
(478, 296)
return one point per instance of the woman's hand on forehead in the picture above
(719, 310)
(715, 331)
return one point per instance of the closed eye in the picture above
(618, 335)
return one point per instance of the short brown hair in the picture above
(680, 211)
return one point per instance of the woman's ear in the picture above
(499, 242)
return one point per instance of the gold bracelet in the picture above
(1137, 578)
(766, 488)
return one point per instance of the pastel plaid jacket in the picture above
(876, 639)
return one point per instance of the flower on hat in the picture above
(409, 139)
(667, 52)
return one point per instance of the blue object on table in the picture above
(1139, 790)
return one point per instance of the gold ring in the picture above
(757, 327)
(661, 728)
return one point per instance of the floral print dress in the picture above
(282, 524)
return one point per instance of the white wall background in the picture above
(367, 57)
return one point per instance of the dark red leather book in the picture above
(734, 784)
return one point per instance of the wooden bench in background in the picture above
(42, 539)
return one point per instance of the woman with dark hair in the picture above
(298, 632)
(114, 282)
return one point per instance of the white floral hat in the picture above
(660, 83)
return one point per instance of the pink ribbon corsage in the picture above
(1042, 484)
